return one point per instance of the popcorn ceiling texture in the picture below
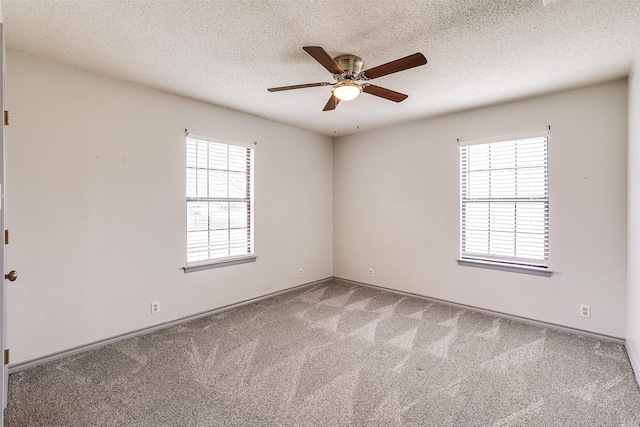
(336, 355)
(229, 52)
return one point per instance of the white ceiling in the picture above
(228, 52)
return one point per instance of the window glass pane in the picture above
(197, 245)
(531, 152)
(503, 183)
(531, 182)
(191, 183)
(501, 243)
(239, 242)
(197, 216)
(191, 153)
(237, 185)
(476, 221)
(531, 246)
(201, 183)
(218, 215)
(239, 215)
(503, 155)
(237, 158)
(201, 151)
(218, 156)
(478, 158)
(218, 186)
(219, 243)
(478, 184)
(530, 217)
(477, 215)
(502, 217)
(477, 241)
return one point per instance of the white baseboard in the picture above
(540, 323)
(101, 343)
(634, 358)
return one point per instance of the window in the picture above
(219, 201)
(504, 203)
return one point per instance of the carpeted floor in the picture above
(331, 355)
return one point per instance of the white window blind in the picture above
(219, 200)
(505, 201)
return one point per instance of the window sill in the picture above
(536, 271)
(221, 263)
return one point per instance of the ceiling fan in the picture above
(347, 73)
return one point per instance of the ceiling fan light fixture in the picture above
(346, 90)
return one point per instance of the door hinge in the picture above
(6, 117)
(6, 237)
(6, 357)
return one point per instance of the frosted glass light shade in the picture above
(346, 90)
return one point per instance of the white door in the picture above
(4, 379)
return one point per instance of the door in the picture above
(5, 376)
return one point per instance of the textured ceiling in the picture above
(229, 52)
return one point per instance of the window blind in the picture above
(219, 200)
(505, 201)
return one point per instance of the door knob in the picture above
(12, 275)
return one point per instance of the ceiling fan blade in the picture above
(320, 55)
(278, 89)
(332, 104)
(382, 92)
(401, 64)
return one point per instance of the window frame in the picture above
(486, 259)
(222, 261)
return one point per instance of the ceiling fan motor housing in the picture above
(351, 64)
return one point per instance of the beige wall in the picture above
(96, 207)
(633, 242)
(396, 209)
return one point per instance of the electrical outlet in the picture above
(371, 272)
(300, 273)
(585, 311)
(155, 307)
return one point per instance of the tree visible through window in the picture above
(505, 201)
(219, 200)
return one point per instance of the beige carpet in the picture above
(332, 355)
